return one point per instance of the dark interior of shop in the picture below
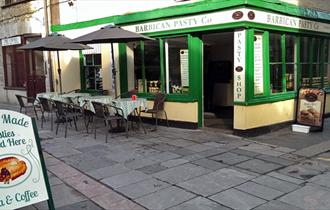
(218, 80)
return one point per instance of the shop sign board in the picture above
(229, 16)
(11, 41)
(258, 66)
(310, 107)
(239, 65)
(23, 178)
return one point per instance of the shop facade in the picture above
(241, 61)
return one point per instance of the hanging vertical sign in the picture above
(258, 66)
(310, 107)
(23, 178)
(184, 67)
(239, 66)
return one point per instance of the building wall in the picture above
(17, 20)
(247, 117)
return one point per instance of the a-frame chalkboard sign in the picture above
(23, 175)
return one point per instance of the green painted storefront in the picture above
(238, 15)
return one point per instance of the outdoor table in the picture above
(47, 95)
(128, 105)
(73, 97)
(86, 101)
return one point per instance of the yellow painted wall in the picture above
(246, 117)
(69, 63)
(186, 112)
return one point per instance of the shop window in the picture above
(14, 67)
(275, 55)
(282, 55)
(93, 71)
(147, 66)
(177, 69)
(305, 47)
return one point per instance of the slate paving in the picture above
(186, 169)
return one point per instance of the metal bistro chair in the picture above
(65, 113)
(108, 113)
(157, 108)
(25, 103)
(46, 106)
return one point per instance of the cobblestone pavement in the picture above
(183, 169)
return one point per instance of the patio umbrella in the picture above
(54, 42)
(111, 34)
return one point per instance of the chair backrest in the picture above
(45, 104)
(159, 101)
(60, 107)
(99, 109)
(20, 100)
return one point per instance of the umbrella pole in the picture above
(114, 84)
(59, 71)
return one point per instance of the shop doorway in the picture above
(218, 80)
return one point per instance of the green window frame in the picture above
(164, 73)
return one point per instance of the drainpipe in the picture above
(49, 60)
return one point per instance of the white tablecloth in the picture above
(87, 101)
(128, 105)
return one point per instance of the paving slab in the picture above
(139, 163)
(286, 178)
(314, 149)
(164, 156)
(260, 191)
(244, 152)
(277, 160)
(198, 147)
(277, 184)
(126, 178)
(181, 173)
(174, 162)
(209, 164)
(142, 188)
(215, 182)
(300, 172)
(165, 198)
(258, 166)
(86, 205)
(199, 203)
(212, 152)
(63, 196)
(322, 180)
(236, 199)
(276, 205)
(308, 197)
(230, 158)
(151, 169)
(108, 171)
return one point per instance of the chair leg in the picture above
(42, 119)
(20, 109)
(94, 128)
(35, 111)
(75, 123)
(156, 120)
(51, 122)
(58, 123)
(166, 118)
(126, 128)
(66, 127)
(106, 131)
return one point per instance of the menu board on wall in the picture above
(310, 107)
(184, 67)
(22, 174)
(258, 66)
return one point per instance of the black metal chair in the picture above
(66, 113)
(46, 107)
(157, 108)
(27, 103)
(108, 113)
